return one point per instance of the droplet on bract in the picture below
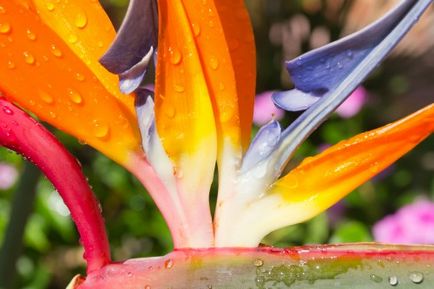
(393, 280)
(376, 278)
(416, 277)
(168, 264)
(101, 130)
(7, 110)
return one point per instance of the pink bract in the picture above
(353, 104)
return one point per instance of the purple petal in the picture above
(336, 70)
(135, 41)
(294, 100)
(262, 145)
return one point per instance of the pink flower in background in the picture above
(8, 176)
(353, 104)
(265, 110)
(412, 224)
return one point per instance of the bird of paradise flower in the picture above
(199, 114)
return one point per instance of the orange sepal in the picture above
(43, 75)
(225, 43)
(324, 179)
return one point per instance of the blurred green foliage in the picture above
(52, 254)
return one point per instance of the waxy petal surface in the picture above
(23, 134)
(86, 29)
(225, 43)
(320, 181)
(42, 74)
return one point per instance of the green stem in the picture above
(22, 207)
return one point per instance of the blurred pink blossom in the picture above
(353, 104)
(412, 224)
(265, 110)
(8, 176)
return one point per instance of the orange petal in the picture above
(225, 44)
(42, 74)
(183, 106)
(324, 179)
(86, 29)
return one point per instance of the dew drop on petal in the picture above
(101, 130)
(75, 96)
(258, 262)
(72, 38)
(170, 111)
(47, 98)
(175, 56)
(179, 88)
(28, 57)
(50, 6)
(31, 35)
(196, 29)
(80, 20)
(56, 51)
(214, 63)
(79, 76)
(11, 64)
(5, 28)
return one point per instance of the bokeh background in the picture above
(393, 207)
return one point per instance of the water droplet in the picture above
(211, 23)
(100, 44)
(31, 35)
(47, 98)
(52, 114)
(175, 56)
(80, 20)
(75, 96)
(214, 63)
(50, 6)
(376, 278)
(393, 280)
(168, 264)
(11, 65)
(28, 57)
(349, 54)
(55, 51)
(101, 130)
(7, 110)
(179, 88)
(416, 277)
(147, 287)
(72, 38)
(196, 29)
(5, 28)
(258, 263)
(79, 76)
(2, 10)
(340, 65)
(221, 86)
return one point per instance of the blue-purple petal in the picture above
(137, 37)
(294, 100)
(262, 145)
(335, 70)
